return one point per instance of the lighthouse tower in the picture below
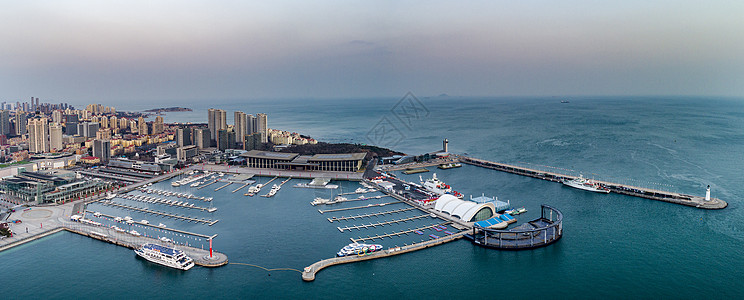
(444, 145)
(707, 194)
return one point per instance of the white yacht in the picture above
(586, 184)
(358, 249)
(166, 256)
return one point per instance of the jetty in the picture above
(332, 219)
(168, 202)
(222, 187)
(373, 225)
(201, 257)
(357, 207)
(653, 194)
(398, 233)
(309, 272)
(160, 213)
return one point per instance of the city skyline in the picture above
(140, 51)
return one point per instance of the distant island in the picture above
(169, 109)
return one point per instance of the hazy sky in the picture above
(108, 51)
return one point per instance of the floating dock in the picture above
(390, 235)
(369, 215)
(160, 213)
(373, 225)
(172, 203)
(671, 197)
(357, 207)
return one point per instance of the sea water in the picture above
(613, 245)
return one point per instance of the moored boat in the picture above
(165, 256)
(586, 184)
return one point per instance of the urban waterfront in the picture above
(614, 245)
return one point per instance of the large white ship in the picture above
(586, 184)
(438, 187)
(166, 256)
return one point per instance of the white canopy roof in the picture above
(465, 210)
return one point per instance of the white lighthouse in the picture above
(444, 145)
(707, 194)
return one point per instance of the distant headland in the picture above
(169, 109)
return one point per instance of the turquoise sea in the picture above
(614, 246)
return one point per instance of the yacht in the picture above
(586, 184)
(358, 249)
(166, 256)
(319, 200)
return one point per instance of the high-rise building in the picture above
(217, 121)
(4, 122)
(241, 125)
(141, 126)
(103, 134)
(114, 123)
(88, 129)
(183, 137)
(158, 127)
(102, 150)
(71, 124)
(103, 120)
(20, 123)
(251, 124)
(57, 116)
(202, 138)
(222, 140)
(263, 127)
(123, 123)
(38, 135)
(55, 137)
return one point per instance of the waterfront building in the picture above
(50, 187)
(102, 150)
(185, 153)
(346, 162)
(55, 137)
(71, 124)
(217, 121)
(263, 127)
(38, 135)
(467, 211)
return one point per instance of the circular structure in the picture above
(537, 233)
(37, 213)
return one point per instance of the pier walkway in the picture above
(399, 233)
(357, 207)
(160, 213)
(671, 197)
(332, 219)
(309, 272)
(373, 225)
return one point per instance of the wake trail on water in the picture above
(264, 268)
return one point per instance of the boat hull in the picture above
(585, 188)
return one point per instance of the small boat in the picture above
(161, 225)
(449, 166)
(134, 233)
(145, 222)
